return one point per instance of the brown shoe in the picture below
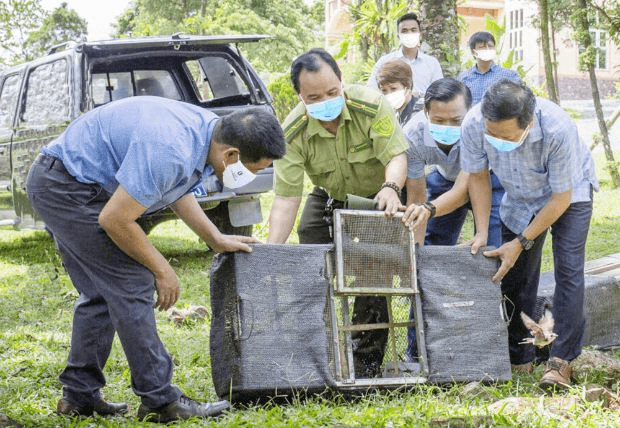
(101, 407)
(522, 368)
(557, 374)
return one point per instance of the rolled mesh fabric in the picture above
(268, 332)
(466, 336)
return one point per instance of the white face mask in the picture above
(409, 40)
(397, 98)
(237, 175)
(485, 54)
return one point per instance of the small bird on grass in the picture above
(542, 331)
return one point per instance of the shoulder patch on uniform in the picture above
(295, 127)
(383, 126)
(368, 108)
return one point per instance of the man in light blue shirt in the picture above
(90, 185)
(548, 174)
(434, 141)
(424, 68)
(485, 72)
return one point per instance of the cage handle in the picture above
(244, 304)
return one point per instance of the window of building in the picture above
(599, 43)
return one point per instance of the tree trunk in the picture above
(544, 30)
(555, 59)
(583, 36)
(441, 32)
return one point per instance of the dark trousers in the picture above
(445, 230)
(369, 345)
(116, 293)
(520, 285)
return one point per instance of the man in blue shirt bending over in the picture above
(548, 174)
(485, 72)
(90, 185)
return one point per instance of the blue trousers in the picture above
(520, 285)
(116, 293)
(445, 230)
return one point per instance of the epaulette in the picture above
(368, 108)
(295, 127)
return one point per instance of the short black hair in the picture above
(507, 99)
(407, 17)
(480, 37)
(255, 131)
(312, 61)
(445, 90)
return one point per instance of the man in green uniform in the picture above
(348, 141)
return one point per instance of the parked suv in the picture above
(40, 98)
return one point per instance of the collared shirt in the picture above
(352, 161)
(425, 70)
(154, 147)
(423, 151)
(478, 82)
(552, 159)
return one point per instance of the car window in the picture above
(8, 102)
(215, 77)
(47, 95)
(108, 87)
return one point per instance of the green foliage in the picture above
(294, 29)
(62, 25)
(18, 18)
(609, 14)
(284, 96)
(374, 24)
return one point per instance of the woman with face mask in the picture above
(395, 82)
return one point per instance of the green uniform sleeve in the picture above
(289, 171)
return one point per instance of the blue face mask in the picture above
(447, 135)
(505, 145)
(327, 110)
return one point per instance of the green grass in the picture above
(36, 299)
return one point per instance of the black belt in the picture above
(52, 163)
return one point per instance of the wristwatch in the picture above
(525, 243)
(431, 208)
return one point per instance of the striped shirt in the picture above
(552, 159)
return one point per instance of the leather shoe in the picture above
(557, 373)
(101, 407)
(522, 368)
(183, 408)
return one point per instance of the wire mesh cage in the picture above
(376, 320)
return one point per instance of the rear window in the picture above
(215, 77)
(47, 95)
(108, 87)
(8, 101)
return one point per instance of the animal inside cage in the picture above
(375, 305)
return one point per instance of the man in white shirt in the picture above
(425, 68)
